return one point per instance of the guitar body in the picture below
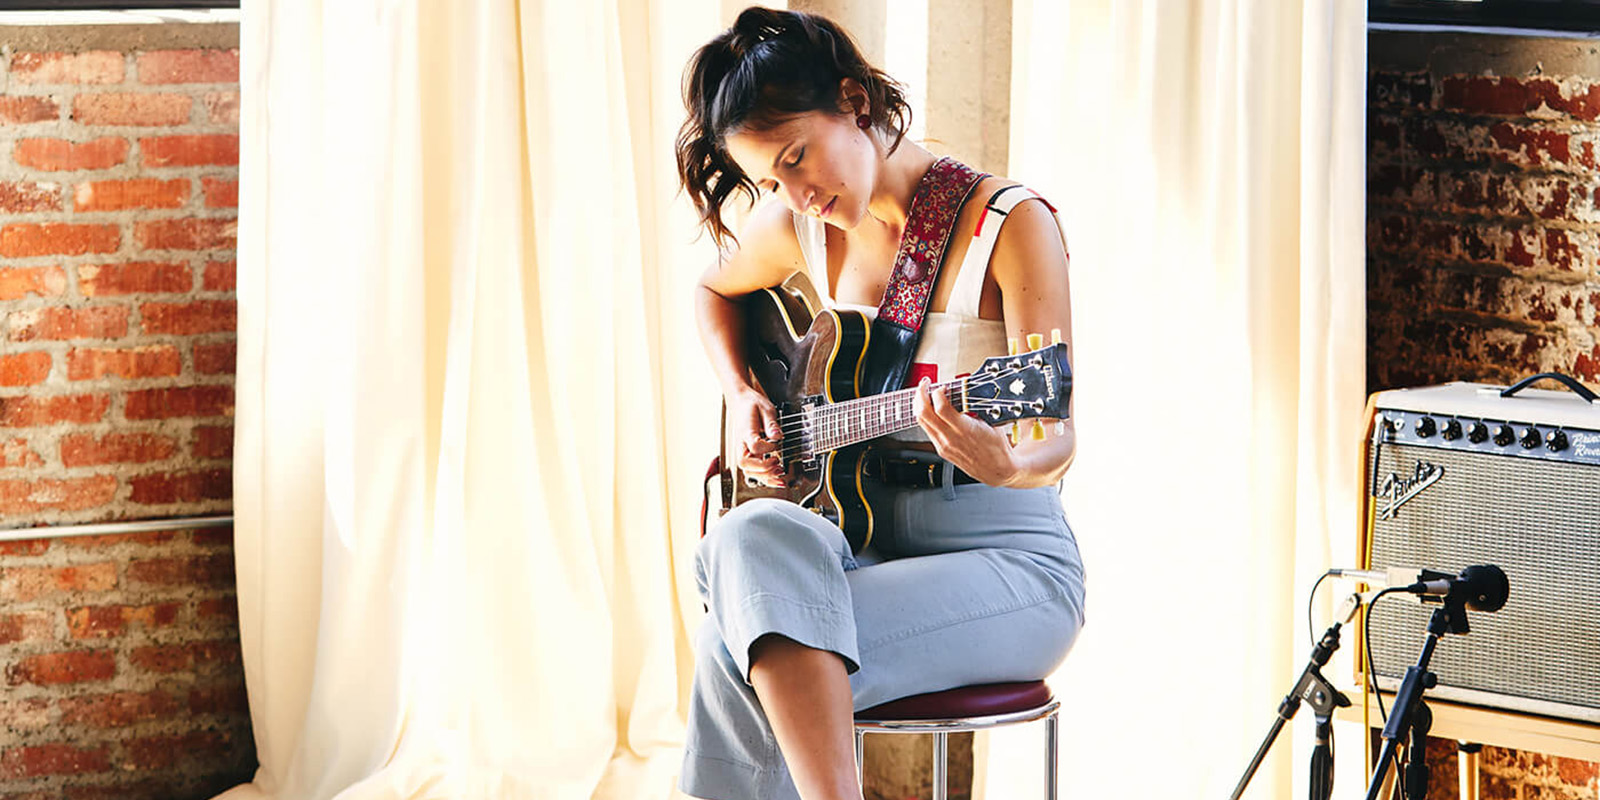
(810, 365)
(803, 357)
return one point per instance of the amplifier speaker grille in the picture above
(1537, 520)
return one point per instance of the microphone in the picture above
(1381, 578)
(1481, 588)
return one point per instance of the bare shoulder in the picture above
(767, 253)
(1030, 247)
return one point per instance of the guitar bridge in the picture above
(796, 422)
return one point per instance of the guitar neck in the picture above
(849, 422)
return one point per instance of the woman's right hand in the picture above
(753, 415)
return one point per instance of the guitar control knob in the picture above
(1452, 430)
(1478, 433)
(1426, 427)
(1531, 438)
(1503, 435)
(1556, 441)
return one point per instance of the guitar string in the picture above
(799, 427)
(798, 421)
(794, 449)
(830, 439)
(900, 395)
(827, 431)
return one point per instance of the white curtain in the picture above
(463, 520)
(1208, 158)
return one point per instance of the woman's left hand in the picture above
(981, 451)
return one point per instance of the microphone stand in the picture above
(1410, 715)
(1324, 698)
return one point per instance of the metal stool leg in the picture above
(1051, 734)
(861, 759)
(940, 752)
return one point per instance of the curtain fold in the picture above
(1208, 159)
(473, 413)
(464, 524)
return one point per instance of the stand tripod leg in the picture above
(1384, 781)
(1417, 753)
(1467, 768)
(1390, 778)
(1324, 698)
(1322, 760)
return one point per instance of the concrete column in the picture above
(864, 19)
(968, 109)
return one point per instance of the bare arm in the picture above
(1030, 265)
(767, 254)
(1031, 268)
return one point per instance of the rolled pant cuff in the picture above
(711, 777)
(821, 627)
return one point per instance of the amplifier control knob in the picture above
(1478, 433)
(1531, 438)
(1390, 425)
(1503, 435)
(1556, 441)
(1452, 430)
(1426, 427)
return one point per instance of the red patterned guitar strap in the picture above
(929, 226)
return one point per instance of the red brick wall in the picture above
(1483, 209)
(1483, 259)
(118, 195)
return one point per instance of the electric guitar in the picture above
(810, 368)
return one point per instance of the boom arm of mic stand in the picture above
(1311, 687)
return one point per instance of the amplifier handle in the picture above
(1578, 388)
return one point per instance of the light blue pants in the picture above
(973, 584)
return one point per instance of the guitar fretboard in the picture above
(836, 425)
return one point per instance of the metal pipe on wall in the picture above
(104, 528)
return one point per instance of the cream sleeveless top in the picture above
(954, 341)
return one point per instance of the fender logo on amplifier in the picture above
(1523, 493)
(1396, 491)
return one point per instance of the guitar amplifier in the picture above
(1458, 475)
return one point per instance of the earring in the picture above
(863, 122)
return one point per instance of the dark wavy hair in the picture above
(771, 66)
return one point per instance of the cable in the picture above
(1310, 627)
(1366, 644)
(1372, 679)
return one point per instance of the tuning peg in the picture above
(1035, 341)
(1055, 336)
(1011, 346)
(1038, 431)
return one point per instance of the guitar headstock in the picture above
(1037, 383)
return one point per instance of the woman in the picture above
(979, 579)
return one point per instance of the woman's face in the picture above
(819, 164)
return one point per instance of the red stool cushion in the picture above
(967, 701)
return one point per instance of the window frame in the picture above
(1582, 16)
(107, 5)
